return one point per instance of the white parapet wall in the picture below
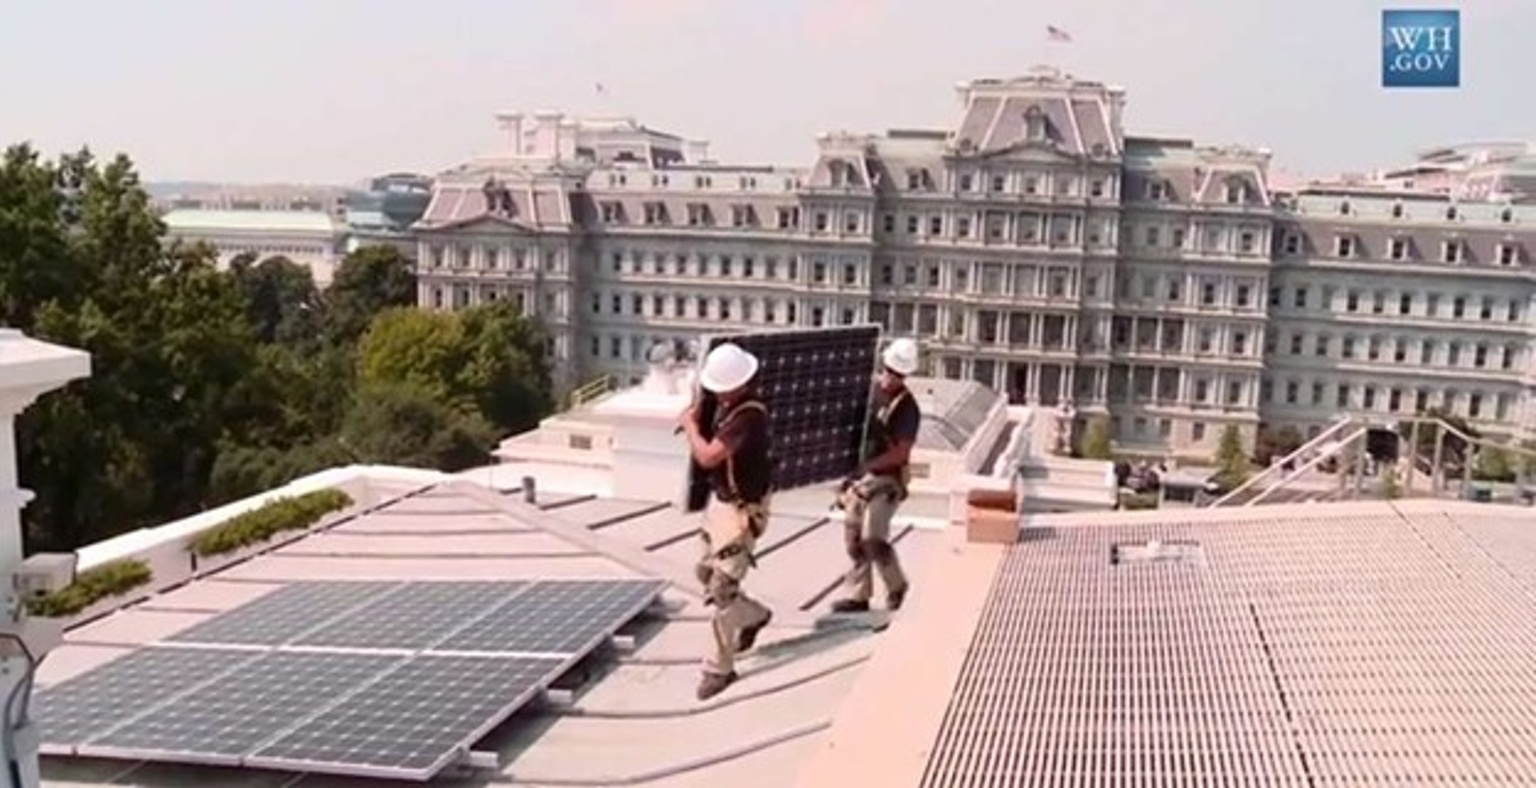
(150, 541)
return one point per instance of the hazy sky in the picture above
(336, 90)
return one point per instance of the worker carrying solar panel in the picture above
(871, 496)
(737, 459)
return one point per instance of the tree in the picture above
(1097, 444)
(1494, 465)
(1454, 448)
(405, 425)
(209, 385)
(411, 346)
(282, 302)
(367, 282)
(486, 359)
(1231, 458)
(505, 369)
(1272, 443)
(1391, 488)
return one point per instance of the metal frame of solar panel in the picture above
(816, 384)
(373, 679)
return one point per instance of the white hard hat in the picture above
(901, 357)
(727, 368)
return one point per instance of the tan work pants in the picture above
(868, 508)
(729, 536)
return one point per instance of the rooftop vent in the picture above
(1157, 552)
(661, 378)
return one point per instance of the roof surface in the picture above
(1324, 644)
(637, 723)
(212, 220)
(1330, 644)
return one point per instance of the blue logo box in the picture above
(1421, 48)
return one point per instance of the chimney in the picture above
(546, 134)
(512, 124)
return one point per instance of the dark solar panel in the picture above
(411, 722)
(99, 700)
(556, 617)
(816, 384)
(351, 698)
(287, 613)
(225, 719)
(414, 618)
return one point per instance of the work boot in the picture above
(893, 599)
(850, 606)
(748, 637)
(715, 683)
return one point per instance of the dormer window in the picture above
(1237, 193)
(1509, 254)
(1450, 213)
(1344, 247)
(1034, 124)
(1292, 244)
(1397, 210)
(1344, 208)
(656, 213)
(699, 215)
(1157, 190)
(1450, 252)
(1507, 215)
(1397, 249)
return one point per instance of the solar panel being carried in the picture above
(816, 384)
(350, 678)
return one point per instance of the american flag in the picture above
(1053, 33)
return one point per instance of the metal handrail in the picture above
(1442, 427)
(1309, 465)
(1276, 467)
(591, 390)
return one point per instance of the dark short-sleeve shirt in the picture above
(901, 423)
(744, 431)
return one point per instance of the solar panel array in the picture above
(387, 680)
(816, 384)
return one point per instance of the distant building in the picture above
(386, 210)
(310, 238)
(1034, 247)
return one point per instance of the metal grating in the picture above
(1304, 651)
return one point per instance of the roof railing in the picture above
(591, 390)
(1327, 444)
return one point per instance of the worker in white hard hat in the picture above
(871, 497)
(737, 459)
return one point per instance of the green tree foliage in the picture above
(1454, 448)
(403, 423)
(212, 384)
(367, 282)
(1276, 442)
(1494, 465)
(486, 359)
(1231, 458)
(1097, 444)
(282, 302)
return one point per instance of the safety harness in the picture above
(754, 512)
(883, 419)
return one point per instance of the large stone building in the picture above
(1033, 247)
